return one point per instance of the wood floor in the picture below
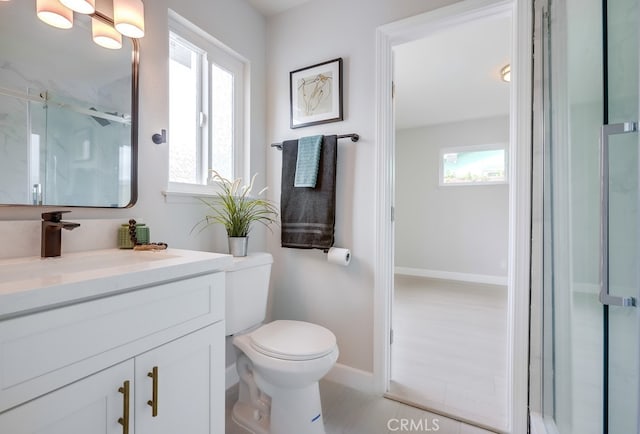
(347, 411)
(450, 348)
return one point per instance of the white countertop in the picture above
(33, 283)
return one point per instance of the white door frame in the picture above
(418, 27)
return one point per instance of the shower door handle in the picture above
(606, 131)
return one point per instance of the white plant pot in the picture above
(238, 246)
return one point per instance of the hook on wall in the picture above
(160, 137)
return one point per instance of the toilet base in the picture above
(294, 411)
(245, 415)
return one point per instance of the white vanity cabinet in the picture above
(147, 359)
(188, 380)
(91, 405)
(183, 396)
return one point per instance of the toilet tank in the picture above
(247, 289)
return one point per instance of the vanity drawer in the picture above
(42, 351)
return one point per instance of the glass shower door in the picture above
(619, 285)
(573, 329)
(591, 323)
(620, 259)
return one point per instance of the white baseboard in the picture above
(342, 374)
(351, 377)
(452, 275)
(231, 376)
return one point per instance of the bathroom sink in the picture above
(33, 283)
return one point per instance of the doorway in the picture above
(449, 308)
(519, 187)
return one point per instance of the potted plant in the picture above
(235, 208)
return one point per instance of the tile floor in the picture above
(450, 348)
(348, 411)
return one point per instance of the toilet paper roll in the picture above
(339, 256)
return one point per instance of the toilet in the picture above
(280, 363)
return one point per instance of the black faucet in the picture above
(52, 226)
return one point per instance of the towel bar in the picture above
(354, 138)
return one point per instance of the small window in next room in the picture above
(206, 111)
(473, 165)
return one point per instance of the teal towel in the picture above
(308, 161)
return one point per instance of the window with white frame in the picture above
(206, 111)
(473, 165)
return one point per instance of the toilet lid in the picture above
(293, 340)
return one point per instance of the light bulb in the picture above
(54, 13)
(128, 16)
(81, 6)
(105, 35)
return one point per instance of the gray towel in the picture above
(308, 214)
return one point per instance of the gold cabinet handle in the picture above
(153, 402)
(124, 420)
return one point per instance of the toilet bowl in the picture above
(288, 358)
(280, 363)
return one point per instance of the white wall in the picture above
(241, 28)
(460, 229)
(304, 285)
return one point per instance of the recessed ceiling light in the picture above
(505, 73)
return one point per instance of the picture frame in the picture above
(315, 94)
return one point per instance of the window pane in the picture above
(183, 113)
(206, 107)
(473, 167)
(222, 121)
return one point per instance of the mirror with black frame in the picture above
(68, 113)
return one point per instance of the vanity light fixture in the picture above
(54, 13)
(128, 17)
(81, 6)
(505, 73)
(105, 34)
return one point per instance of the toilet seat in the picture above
(293, 340)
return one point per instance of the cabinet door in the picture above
(90, 405)
(189, 385)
